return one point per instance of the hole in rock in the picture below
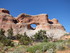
(33, 26)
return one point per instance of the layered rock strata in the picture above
(22, 23)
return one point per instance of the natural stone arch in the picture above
(42, 18)
(30, 27)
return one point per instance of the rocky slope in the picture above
(22, 23)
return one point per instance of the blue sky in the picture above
(59, 9)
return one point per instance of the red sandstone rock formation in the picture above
(41, 21)
(2, 10)
(23, 21)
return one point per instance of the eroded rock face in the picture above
(2, 10)
(41, 21)
(37, 19)
(22, 23)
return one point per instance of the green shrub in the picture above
(42, 47)
(60, 45)
(67, 34)
(60, 40)
(2, 36)
(10, 33)
(18, 36)
(4, 40)
(7, 42)
(18, 49)
(25, 39)
(2, 32)
(51, 45)
(40, 36)
(33, 49)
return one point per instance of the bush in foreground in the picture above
(41, 36)
(23, 39)
(4, 40)
(42, 47)
(10, 33)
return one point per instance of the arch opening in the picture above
(32, 26)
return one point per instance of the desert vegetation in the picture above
(38, 43)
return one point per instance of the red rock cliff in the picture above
(24, 21)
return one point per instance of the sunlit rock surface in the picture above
(22, 23)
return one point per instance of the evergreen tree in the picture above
(10, 33)
(4, 40)
(25, 39)
(2, 32)
(2, 36)
(40, 36)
